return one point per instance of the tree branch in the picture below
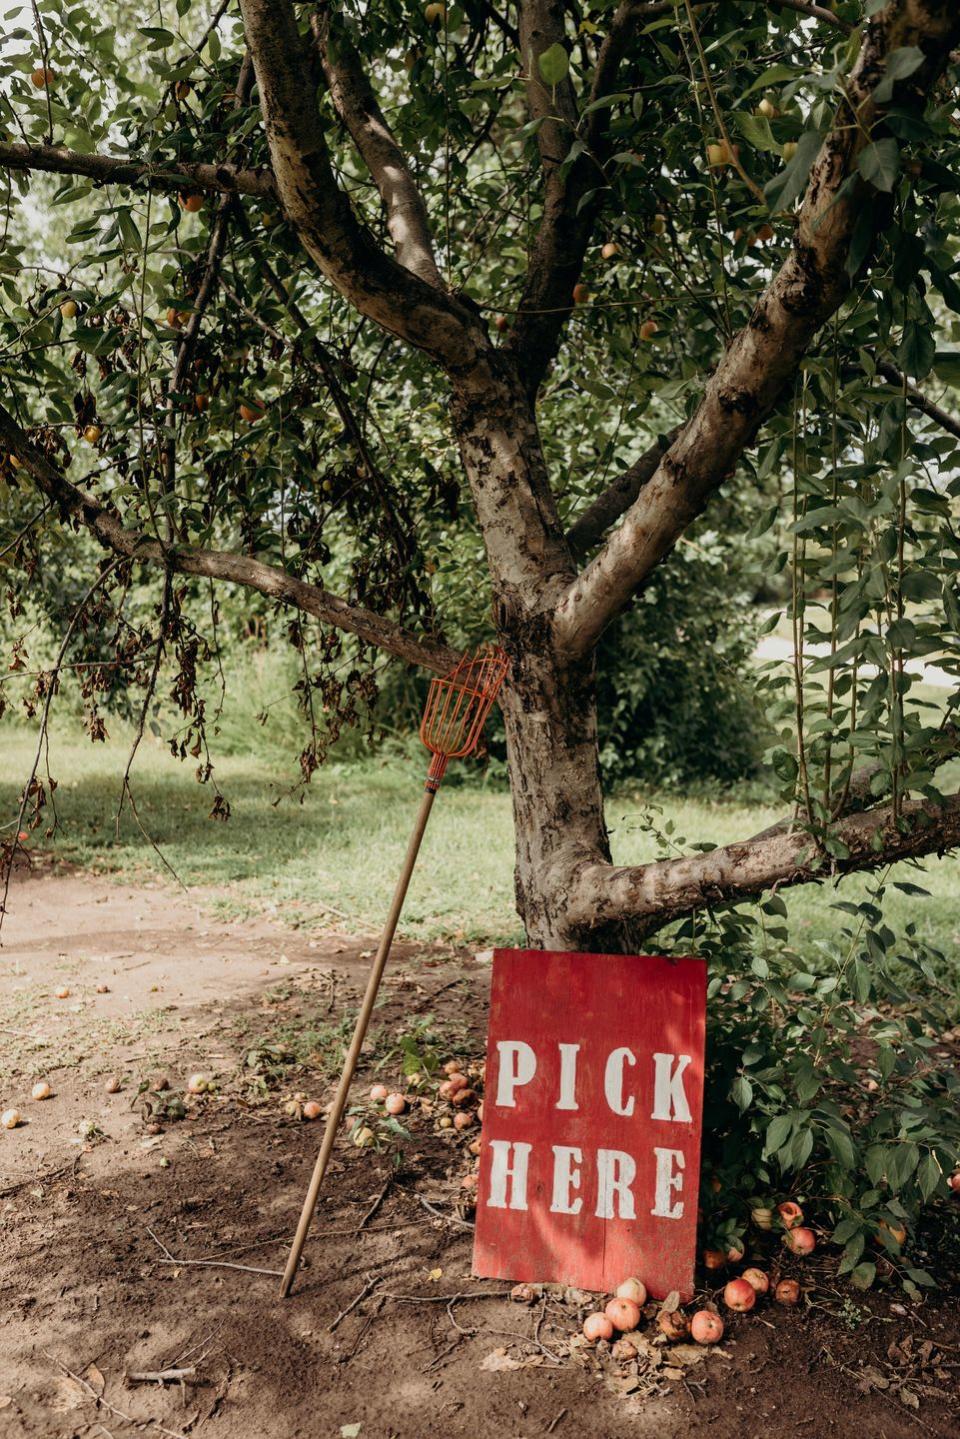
(557, 253)
(386, 292)
(589, 527)
(655, 894)
(359, 109)
(114, 170)
(268, 580)
(216, 246)
(656, 8)
(763, 358)
(918, 399)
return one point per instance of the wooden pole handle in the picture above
(356, 1043)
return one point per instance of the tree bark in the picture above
(548, 706)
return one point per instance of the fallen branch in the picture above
(376, 1204)
(207, 1263)
(372, 1282)
(163, 1376)
(99, 1400)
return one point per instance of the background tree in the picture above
(274, 363)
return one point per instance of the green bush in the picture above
(676, 697)
(830, 1082)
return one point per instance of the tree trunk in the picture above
(551, 723)
(549, 707)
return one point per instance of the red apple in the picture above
(757, 1279)
(623, 1314)
(597, 1326)
(800, 1241)
(790, 1214)
(634, 1289)
(739, 1295)
(706, 1327)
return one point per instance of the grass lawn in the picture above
(343, 845)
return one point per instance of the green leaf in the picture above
(741, 1092)
(917, 350)
(778, 1132)
(928, 1176)
(159, 38)
(755, 129)
(846, 1229)
(554, 64)
(787, 187)
(879, 164)
(864, 1275)
(900, 64)
(841, 1147)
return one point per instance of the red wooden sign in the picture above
(590, 1165)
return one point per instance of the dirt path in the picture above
(101, 1237)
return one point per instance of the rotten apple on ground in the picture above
(673, 1323)
(790, 1214)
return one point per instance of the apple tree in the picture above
(347, 298)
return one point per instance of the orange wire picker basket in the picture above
(453, 719)
(457, 708)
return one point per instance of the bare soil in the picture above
(127, 1250)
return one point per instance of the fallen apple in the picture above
(757, 1279)
(395, 1104)
(706, 1327)
(787, 1292)
(739, 1295)
(800, 1240)
(634, 1289)
(624, 1314)
(790, 1214)
(596, 1327)
(673, 1323)
(41, 1090)
(10, 1118)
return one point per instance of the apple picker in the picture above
(453, 719)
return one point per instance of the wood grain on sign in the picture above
(590, 1165)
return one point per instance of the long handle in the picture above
(359, 1034)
